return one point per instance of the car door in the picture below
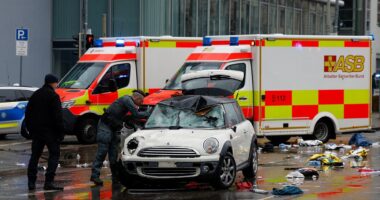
(233, 121)
(11, 111)
(248, 131)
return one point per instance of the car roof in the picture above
(18, 88)
(196, 102)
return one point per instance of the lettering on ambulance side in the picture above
(349, 63)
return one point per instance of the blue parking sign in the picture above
(22, 34)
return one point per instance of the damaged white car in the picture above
(191, 137)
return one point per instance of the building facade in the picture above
(182, 18)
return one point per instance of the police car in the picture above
(13, 101)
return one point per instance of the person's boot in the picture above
(97, 181)
(51, 186)
(31, 186)
(115, 174)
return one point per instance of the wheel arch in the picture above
(325, 116)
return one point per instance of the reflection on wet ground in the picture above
(333, 182)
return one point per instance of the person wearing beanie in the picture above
(43, 118)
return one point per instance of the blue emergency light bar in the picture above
(98, 43)
(234, 41)
(206, 41)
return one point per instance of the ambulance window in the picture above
(121, 74)
(238, 67)
(7, 96)
(103, 85)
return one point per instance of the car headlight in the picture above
(132, 145)
(211, 145)
(68, 104)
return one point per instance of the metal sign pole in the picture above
(20, 70)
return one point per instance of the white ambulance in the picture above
(294, 85)
(114, 68)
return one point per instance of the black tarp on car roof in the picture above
(195, 102)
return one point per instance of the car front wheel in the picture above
(251, 171)
(87, 130)
(225, 173)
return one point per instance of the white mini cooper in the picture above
(191, 137)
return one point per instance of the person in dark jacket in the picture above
(43, 118)
(108, 135)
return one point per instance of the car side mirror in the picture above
(234, 128)
(112, 85)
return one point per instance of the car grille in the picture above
(169, 172)
(172, 152)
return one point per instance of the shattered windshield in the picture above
(175, 82)
(81, 76)
(165, 116)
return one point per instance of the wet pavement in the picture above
(333, 183)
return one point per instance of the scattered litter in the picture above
(287, 190)
(284, 147)
(369, 171)
(309, 173)
(327, 158)
(310, 143)
(85, 165)
(246, 185)
(376, 144)
(360, 152)
(259, 191)
(20, 164)
(268, 147)
(314, 163)
(259, 150)
(295, 178)
(331, 146)
(359, 140)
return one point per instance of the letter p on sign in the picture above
(22, 34)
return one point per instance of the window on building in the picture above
(255, 17)
(190, 17)
(202, 18)
(264, 18)
(245, 16)
(378, 13)
(224, 17)
(214, 17)
(281, 19)
(272, 18)
(289, 20)
(305, 18)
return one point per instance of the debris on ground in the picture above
(309, 143)
(376, 144)
(369, 171)
(284, 147)
(259, 191)
(287, 190)
(313, 163)
(360, 152)
(20, 164)
(309, 173)
(327, 158)
(268, 147)
(244, 185)
(359, 140)
(295, 178)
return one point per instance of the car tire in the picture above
(276, 140)
(322, 131)
(251, 171)
(225, 173)
(24, 131)
(87, 129)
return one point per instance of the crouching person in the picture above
(108, 136)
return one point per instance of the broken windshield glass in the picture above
(165, 116)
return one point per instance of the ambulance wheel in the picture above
(276, 140)
(322, 131)
(87, 129)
